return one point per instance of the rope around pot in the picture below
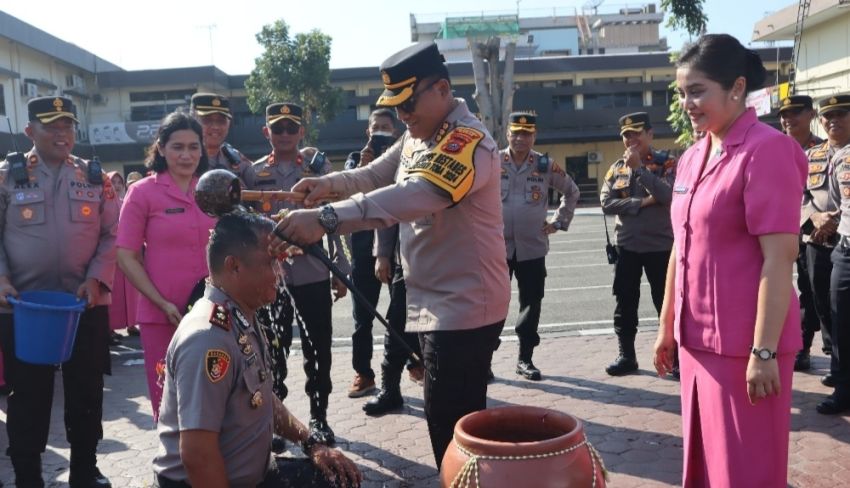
(470, 467)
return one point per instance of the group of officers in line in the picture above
(436, 189)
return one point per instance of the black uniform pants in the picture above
(363, 277)
(395, 354)
(840, 302)
(627, 274)
(29, 405)
(816, 315)
(531, 281)
(456, 372)
(313, 306)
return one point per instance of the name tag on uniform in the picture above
(175, 210)
(680, 189)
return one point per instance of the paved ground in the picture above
(633, 421)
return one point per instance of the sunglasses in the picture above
(835, 114)
(291, 129)
(409, 105)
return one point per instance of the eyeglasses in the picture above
(291, 129)
(409, 105)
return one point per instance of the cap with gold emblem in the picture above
(523, 121)
(839, 101)
(403, 70)
(636, 122)
(210, 103)
(795, 101)
(48, 109)
(279, 111)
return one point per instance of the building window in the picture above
(2, 100)
(153, 112)
(613, 100)
(661, 98)
(160, 96)
(615, 79)
(563, 102)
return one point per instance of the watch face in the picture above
(764, 354)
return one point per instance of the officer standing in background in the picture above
(441, 183)
(839, 194)
(527, 176)
(382, 126)
(814, 265)
(307, 279)
(50, 198)
(638, 189)
(213, 112)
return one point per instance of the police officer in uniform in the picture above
(817, 223)
(307, 279)
(839, 194)
(219, 409)
(527, 176)
(441, 183)
(213, 112)
(49, 197)
(638, 189)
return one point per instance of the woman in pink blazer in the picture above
(160, 214)
(729, 303)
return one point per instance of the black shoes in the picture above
(278, 444)
(387, 400)
(527, 370)
(622, 365)
(834, 404)
(803, 361)
(828, 380)
(321, 431)
(490, 376)
(89, 479)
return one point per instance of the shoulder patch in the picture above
(217, 363)
(450, 165)
(220, 317)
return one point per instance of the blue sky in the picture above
(150, 34)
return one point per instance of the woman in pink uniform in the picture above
(122, 310)
(160, 214)
(729, 302)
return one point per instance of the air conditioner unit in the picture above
(76, 81)
(594, 156)
(29, 90)
(99, 99)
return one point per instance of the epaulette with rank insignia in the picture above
(220, 317)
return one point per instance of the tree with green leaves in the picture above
(297, 69)
(687, 15)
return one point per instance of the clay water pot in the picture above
(519, 446)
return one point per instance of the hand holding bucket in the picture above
(46, 325)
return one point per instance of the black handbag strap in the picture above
(605, 221)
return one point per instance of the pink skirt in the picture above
(122, 311)
(155, 340)
(727, 441)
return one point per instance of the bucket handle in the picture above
(78, 307)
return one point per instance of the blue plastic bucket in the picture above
(46, 325)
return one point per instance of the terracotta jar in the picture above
(520, 446)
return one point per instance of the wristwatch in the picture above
(557, 225)
(308, 444)
(764, 353)
(328, 219)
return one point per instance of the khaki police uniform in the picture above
(839, 192)
(444, 192)
(814, 266)
(524, 192)
(644, 236)
(307, 278)
(240, 167)
(57, 230)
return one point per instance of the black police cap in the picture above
(210, 103)
(404, 69)
(523, 121)
(839, 101)
(279, 111)
(637, 121)
(48, 109)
